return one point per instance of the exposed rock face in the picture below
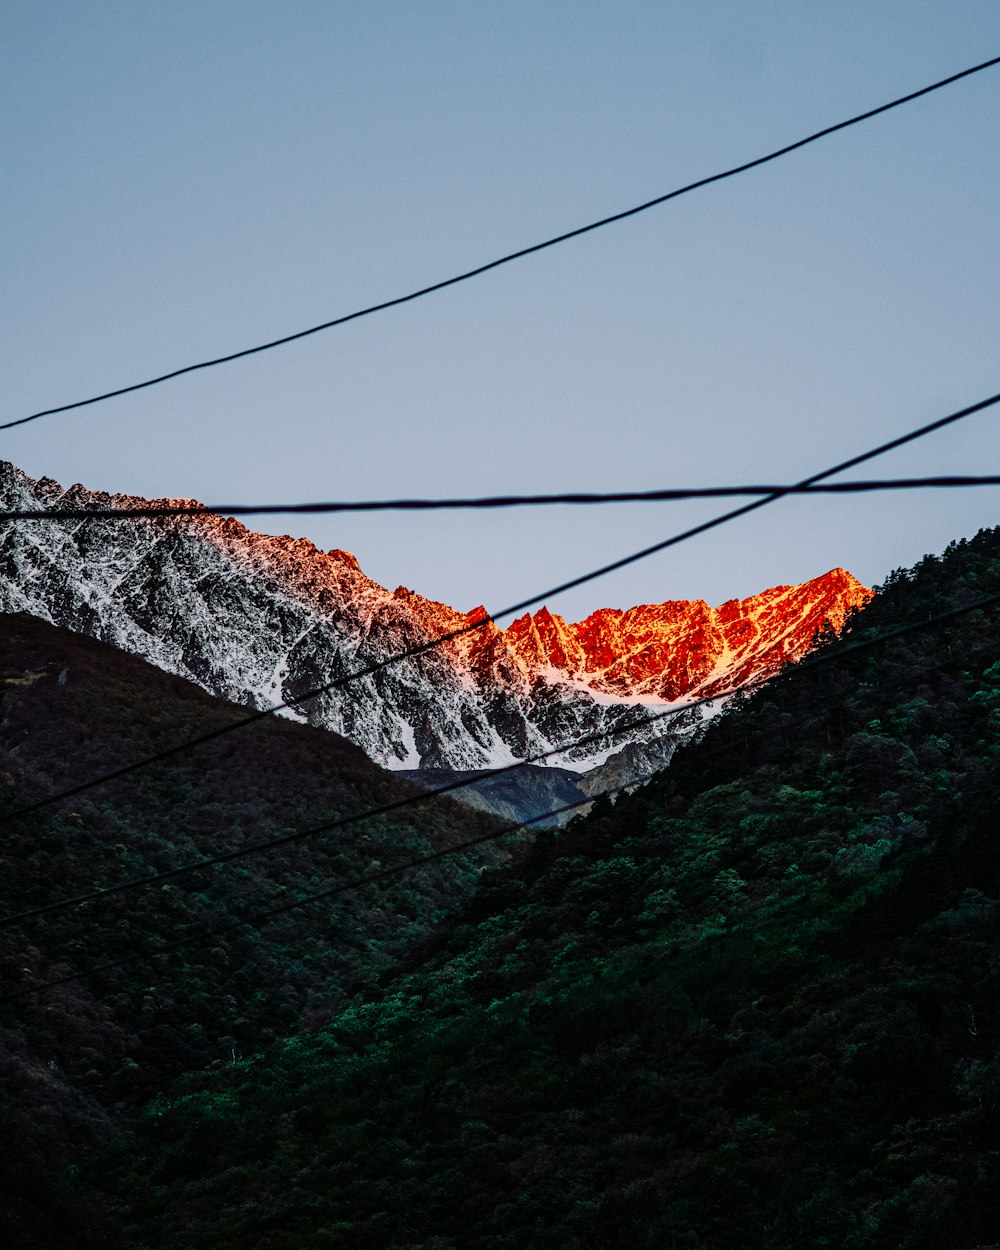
(259, 620)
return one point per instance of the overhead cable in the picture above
(592, 739)
(153, 511)
(424, 647)
(383, 809)
(259, 918)
(520, 253)
(384, 874)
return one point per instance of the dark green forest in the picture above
(753, 1004)
(77, 1059)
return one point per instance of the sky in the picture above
(183, 179)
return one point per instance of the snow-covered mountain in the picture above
(259, 619)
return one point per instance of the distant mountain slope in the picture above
(524, 794)
(258, 619)
(755, 1004)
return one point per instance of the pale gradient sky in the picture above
(184, 179)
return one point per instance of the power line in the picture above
(153, 511)
(343, 888)
(513, 609)
(384, 809)
(396, 805)
(262, 917)
(522, 252)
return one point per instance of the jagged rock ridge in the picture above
(260, 619)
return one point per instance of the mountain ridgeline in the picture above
(755, 1003)
(258, 620)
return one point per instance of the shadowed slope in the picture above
(756, 1003)
(74, 1058)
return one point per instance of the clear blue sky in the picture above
(186, 178)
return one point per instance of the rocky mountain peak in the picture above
(260, 619)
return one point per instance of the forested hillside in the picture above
(755, 1004)
(74, 1060)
